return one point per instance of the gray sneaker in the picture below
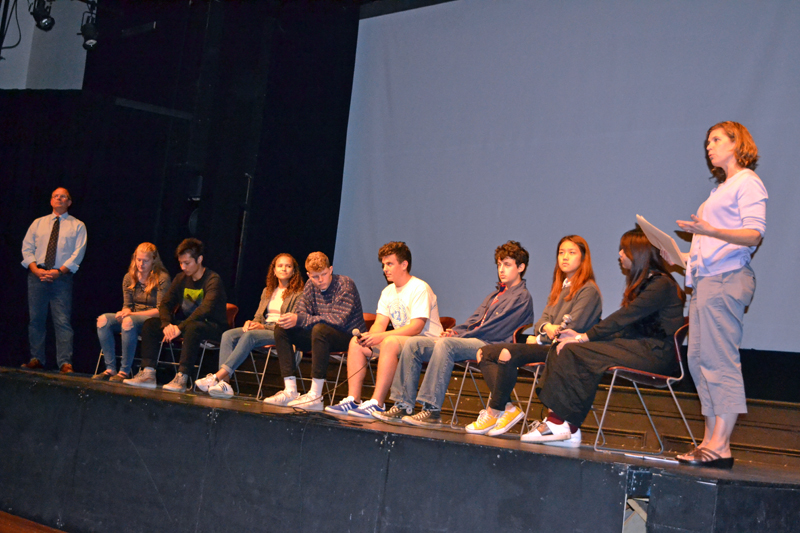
(426, 417)
(178, 383)
(145, 379)
(395, 414)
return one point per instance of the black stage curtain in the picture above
(261, 88)
(110, 159)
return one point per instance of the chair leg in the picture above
(263, 373)
(475, 384)
(158, 357)
(685, 423)
(597, 421)
(172, 354)
(298, 357)
(454, 418)
(97, 368)
(199, 366)
(530, 401)
(652, 424)
(599, 447)
(336, 383)
(255, 372)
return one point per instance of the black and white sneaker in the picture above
(426, 417)
(395, 414)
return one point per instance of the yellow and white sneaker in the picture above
(507, 420)
(483, 424)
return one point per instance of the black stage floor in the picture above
(88, 456)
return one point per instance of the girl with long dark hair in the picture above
(638, 335)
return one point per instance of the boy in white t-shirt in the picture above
(410, 305)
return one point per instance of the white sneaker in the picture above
(221, 390)
(145, 379)
(178, 383)
(206, 383)
(553, 435)
(281, 399)
(308, 401)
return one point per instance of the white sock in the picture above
(316, 386)
(290, 385)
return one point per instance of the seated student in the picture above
(495, 320)
(323, 321)
(411, 306)
(143, 288)
(638, 335)
(284, 287)
(201, 315)
(574, 292)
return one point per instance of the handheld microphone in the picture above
(357, 334)
(565, 321)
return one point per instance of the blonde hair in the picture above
(317, 261)
(155, 273)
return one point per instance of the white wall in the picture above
(45, 60)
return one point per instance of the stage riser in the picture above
(91, 460)
(627, 425)
(686, 505)
(626, 422)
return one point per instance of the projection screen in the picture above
(475, 122)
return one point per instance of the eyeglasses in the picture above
(60, 197)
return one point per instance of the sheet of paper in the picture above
(659, 239)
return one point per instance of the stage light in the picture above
(40, 10)
(89, 27)
(89, 32)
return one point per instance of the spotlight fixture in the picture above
(40, 10)
(89, 27)
(89, 33)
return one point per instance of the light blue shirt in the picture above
(739, 203)
(71, 242)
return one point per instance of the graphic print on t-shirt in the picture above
(192, 298)
(398, 313)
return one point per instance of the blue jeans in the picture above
(236, 345)
(129, 340)
(440, 353)
(58, 296)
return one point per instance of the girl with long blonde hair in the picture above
(143, 287)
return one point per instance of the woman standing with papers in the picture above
(727, 229)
